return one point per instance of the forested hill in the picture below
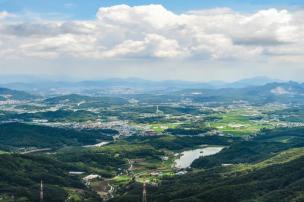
(276, 181)
(8, 94)
(20, 176)
(19, 135)
(267, 144)
(267, 168)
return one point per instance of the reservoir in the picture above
(187, 157)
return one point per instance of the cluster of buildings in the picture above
(9, 102)
(290, 124)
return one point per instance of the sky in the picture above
(158, 40)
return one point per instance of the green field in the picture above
(241, 122)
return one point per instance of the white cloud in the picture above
(151, 31)
(149, 17)
(4, 14)
(152, 46)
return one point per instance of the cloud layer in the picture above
(153, 32)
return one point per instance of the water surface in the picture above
(187, 157)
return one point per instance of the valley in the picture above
(186, 145)
(151, 101)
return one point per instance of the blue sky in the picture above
(86, 9)
(91, 39)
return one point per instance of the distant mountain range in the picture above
(257, 90)
(287, 92)
(8, 94)
(256, 81)
(127, 86)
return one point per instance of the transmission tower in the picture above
(144, 196)
(41, 191)
(13, 198)
(157, 110)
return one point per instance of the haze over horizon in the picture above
(154, 40)
(9, 79)
(151, 100)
